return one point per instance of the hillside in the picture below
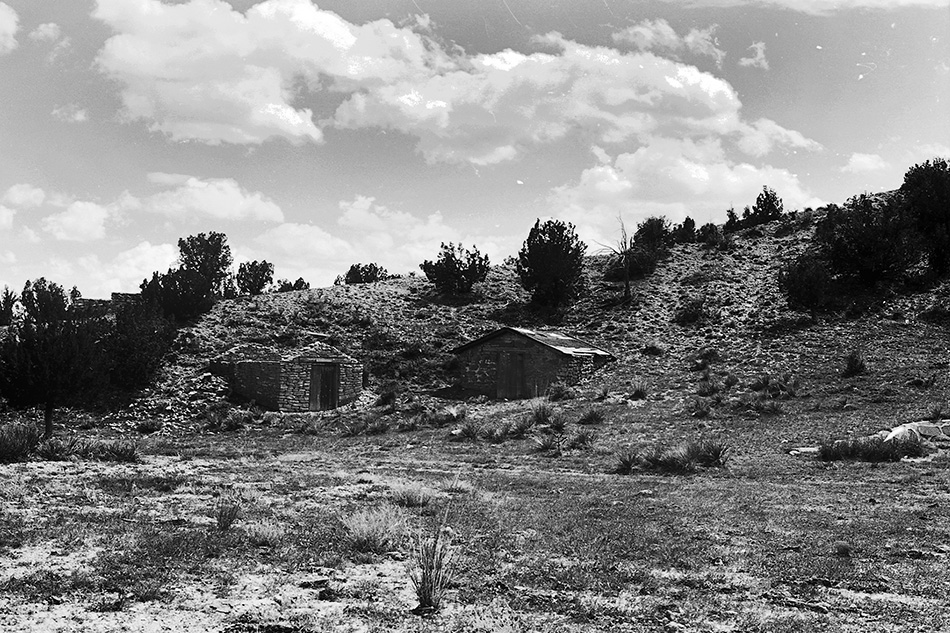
(404, 332)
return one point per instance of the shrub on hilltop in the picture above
(551, 262)
(456, 270)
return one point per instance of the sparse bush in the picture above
(264, 533)
(449, 415)
(591, 415)
(433, 568)
(871, 449)
(497, 434)
(471, 430)
(17, 442)
(926, 190)
(151, 425)
(376, 425)
(112, 451)
(365, 274)
(854, 365)
(376, 530)
(522, 427)
(559, 391)
(57, 449)
(708, 453)
(412, 495)
(456, 269)
(542, 413)
(547, 442)
(351, 427)
(227, 510)
(871, 238)
(284, 285)
(627, 461)
(707, 387)
(805, 282)
(639, 390)
(699, 407)
(691, 310)
(583, 439)
(668, 461)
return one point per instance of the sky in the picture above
(320, 135)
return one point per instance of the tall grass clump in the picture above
(17, 442)
(377, 530)
(542, 413)
(591, 416)
(668, 461)
(871, 449)
(412, 495)
(432, 569)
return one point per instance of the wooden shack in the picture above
(316, 378)
(512, 363)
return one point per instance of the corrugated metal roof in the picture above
(558, 341)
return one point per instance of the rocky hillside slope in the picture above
(404, 331)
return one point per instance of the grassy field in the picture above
(545, 540)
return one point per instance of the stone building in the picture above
(516, 362)
(317, 378)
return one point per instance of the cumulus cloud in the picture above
(126, 270)
(81, 222)
(659, 35)
(24, 196)
(70, 113)
(201, 70)
(757, 58)
(670, 177)
(9, 25)
(759, 138)
(219, 198)
(860, 163)
(825, 7)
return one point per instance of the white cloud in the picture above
(7, 258)
(201, 70)
(760, 137)
(509, 101)
(757, 59)
(204, 71)
(659, 35)
(6, 217)
(70, 113)
(824, 7)
(860, 163)
(47, 32)
(219, 198)
(126, 271)
(674, 178)
(24, 196)
(81, 222)
(9, 24)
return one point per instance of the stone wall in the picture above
(295, 383)
(258, 381)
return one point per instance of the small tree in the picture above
(54, 352)
(653, 233)
(209, 256)
(284, 285)
(805, 281)
(685, 233)
(768, 207)
(926, 190)
(365, 274)
(551, 263)
(8, 300)
(139, 340)
(254, 277)
(181, 294)
(456, 269)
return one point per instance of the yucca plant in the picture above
(226, 511)
(432, 568)
(626, 462)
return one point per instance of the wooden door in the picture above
(324, 387)
(510, 384)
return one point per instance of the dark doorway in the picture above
(510, 375)
(324, 386)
